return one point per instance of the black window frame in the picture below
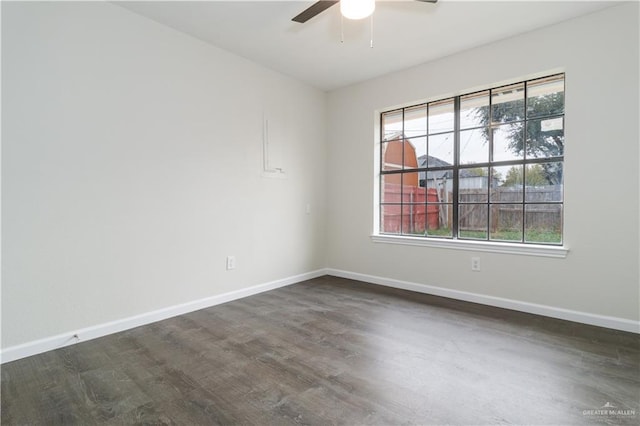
(456, 167)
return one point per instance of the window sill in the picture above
(485, 246)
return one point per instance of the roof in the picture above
(433, 162)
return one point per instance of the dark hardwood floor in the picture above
(335, 351)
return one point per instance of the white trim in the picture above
(517, 305)
(484, 246)
(65, 339)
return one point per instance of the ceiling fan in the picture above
(320, 6)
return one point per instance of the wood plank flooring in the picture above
(335, 351)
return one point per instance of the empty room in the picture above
(298, 212)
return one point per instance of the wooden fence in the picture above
(416, 216)
(508, 217)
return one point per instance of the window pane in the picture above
(473, 184)
(474, 110)
(392, 154)
(543, 223)
(543, 182)
(506, 222)
(506, 183)
(474, 146)
(439, 220)
(509, 175)
(545, 96)
(390, 218)
(413, 219)
(411, 191)
(443, 194)
(415, 121)
(390, 188)
(439, 179)
(441, 116)
(508, 142)
(472, 221)
(416, 149)
(545, 137)
(507, 103)
(391, 125)
(441, 150)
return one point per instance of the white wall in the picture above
(131, 167)
(599, 54)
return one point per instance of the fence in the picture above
(506, 209)
(508, 217)
(414, 214)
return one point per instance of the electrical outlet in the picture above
(475, 264)
(231, 262)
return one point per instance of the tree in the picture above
(536, 176)
(478, 171)
(534, 142)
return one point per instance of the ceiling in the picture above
(405, 33)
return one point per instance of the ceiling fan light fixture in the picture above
(357, 9)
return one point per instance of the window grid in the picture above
(529, 169)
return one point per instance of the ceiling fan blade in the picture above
(313, 10)
(428, 1)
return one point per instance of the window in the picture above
(484, 166)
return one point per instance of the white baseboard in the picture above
(516, 305)
(65, 339)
